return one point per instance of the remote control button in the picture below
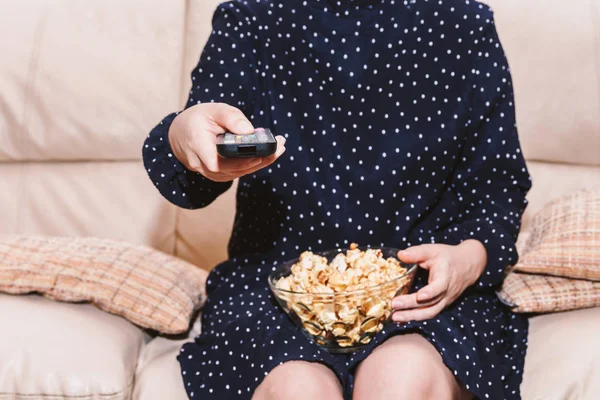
(229, 139)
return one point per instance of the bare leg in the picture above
(406, 367)
(299, 380)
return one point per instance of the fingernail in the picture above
(397, 304)
(244, 127)
(423, 296)
(398, 318)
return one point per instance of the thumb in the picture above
(231, 119)
(417, 254)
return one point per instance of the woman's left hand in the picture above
(452, 269)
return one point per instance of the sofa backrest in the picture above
(82, 83)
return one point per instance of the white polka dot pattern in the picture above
(400, 126)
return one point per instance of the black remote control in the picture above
(261, 143)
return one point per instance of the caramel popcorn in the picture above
(321, 302)
(354, 270)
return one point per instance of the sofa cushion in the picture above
(149, 288)
(87, 80)
(554, 64)
(564, 238)
(158, 375)
(529, 293)
(551, 181)
(563, 358)
(54, 351)
(104, 199)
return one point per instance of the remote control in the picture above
(261, 143)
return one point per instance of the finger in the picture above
(418, 254)
(266, 161)
(281, 141)
(411, 301)
(203, 170)
(439, 280)
(237, 166)
(420, 314)
(193, 163)
(231, 119)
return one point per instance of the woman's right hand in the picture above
(193, 136)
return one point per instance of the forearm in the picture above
(174, 181)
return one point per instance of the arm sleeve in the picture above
(225, 74)
(488, 189)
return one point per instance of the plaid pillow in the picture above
(526, 293)
(151, 289)
(565, 239)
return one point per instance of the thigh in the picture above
(299, 380)
(246, 336)
(479, 340)
(406, 367)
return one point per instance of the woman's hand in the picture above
(193, 133)
(452, 269)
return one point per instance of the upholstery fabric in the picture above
(527, 293)
(53, 351)
(87, 80)
(82, 82)
(565, 238)
(149, 288)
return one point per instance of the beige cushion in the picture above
(158, 374)
(563, 359)
(556, 255)
(112, 200)
(553, 181)
(527, 293)
(552, 46)
(87, 80)
(151, 289)
(565, 238)
(51, 350)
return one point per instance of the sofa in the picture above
(81, 84)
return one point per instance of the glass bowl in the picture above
(342, 322)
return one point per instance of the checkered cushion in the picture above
(151, 289)
(527, 293)
(565, 238)
(559, 268)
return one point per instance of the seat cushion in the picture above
(563, 359)
(158, 374)
(52, 350)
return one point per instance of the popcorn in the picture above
(347, 272)
(321, 302)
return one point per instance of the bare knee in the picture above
(299, 380)
(407, 366)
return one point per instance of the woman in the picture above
(399, 124)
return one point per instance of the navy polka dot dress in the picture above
(400, 126)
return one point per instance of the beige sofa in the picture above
(82, 82)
